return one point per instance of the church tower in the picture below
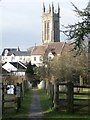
(50, 24)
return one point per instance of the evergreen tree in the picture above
(30, 69)
(80, 31)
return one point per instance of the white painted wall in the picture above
(19, 73)
(41, 85)
(13, 58)
(38, 62)
(50, 55)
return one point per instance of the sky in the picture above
(20, 20)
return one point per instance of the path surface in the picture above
(36, 111)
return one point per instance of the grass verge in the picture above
(50, 113)
(23, 112)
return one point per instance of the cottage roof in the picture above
(18, 65)
(55, 47)
(16, 52)
(20, 53)
(14, 66)
(4, 71)
(9, 67)
(39, 50)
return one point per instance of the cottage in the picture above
(51, 49)
(15, 55)
(17, 68)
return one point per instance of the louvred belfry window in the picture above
(45, 29)
(48, 30)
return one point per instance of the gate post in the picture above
(56, 95)
(70, 97)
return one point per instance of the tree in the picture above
(30, 69)
(29, 72)
(40, 72)
(62, 68)
(43, 72)
(79, 31)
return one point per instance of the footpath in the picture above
(35, 112)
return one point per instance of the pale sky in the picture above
(20, 20)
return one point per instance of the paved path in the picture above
(36, 111)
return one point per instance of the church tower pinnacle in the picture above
(50, 24)
(43, 9)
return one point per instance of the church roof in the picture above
(56, 47)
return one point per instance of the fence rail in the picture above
(76, 93)
(81, 86)
(81, 99)
(70, 101)
(62, 92)
(13, 100)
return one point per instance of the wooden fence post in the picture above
(18, 95)
(23, 87)
(70, 97)
(81, 83)
(56, 95)
(52, 92)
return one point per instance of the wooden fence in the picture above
(74, 100)
(8, 101)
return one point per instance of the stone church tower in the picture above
(50, 25)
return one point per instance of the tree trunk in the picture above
(52, 94)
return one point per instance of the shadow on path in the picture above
(36, 112)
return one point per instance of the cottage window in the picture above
(41, 58)
(34, 58)
(20, 58)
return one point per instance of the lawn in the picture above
(50, 113)
(23, 112)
